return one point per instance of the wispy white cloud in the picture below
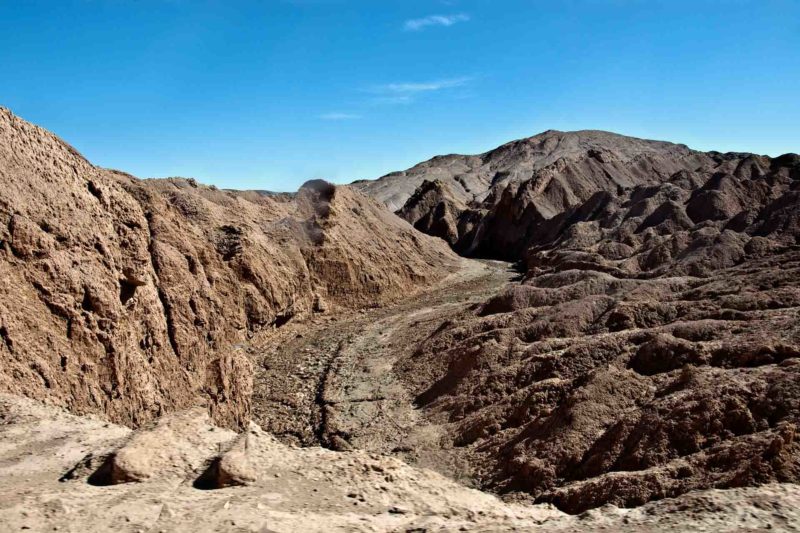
(407, 92)
(391, 100)
(409, 88)
(434, 20)
(424, 87)
(339, 116)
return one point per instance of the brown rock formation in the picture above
(653, 346)
(582, 388)
(500, 203)
(133, 298)
(434, 209)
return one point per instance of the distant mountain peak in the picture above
(471, 176)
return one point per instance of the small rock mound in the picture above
(251, 452)
(174, 447)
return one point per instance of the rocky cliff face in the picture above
(134, 298)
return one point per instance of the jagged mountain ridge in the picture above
(493, 204)
(470, 177)
(651, 348)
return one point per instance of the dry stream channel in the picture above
(330, 380)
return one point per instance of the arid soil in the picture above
(209, 360)
(331, 381)
(60, 472)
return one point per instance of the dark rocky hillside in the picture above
(652, 347)
(530, 192)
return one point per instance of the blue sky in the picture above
(268, 94)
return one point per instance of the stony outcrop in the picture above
(135, 298)
(434, 209)
(652, 347)
(501, 203)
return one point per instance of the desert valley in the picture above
(574, 331)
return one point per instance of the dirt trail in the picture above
(330, 381)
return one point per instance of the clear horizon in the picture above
(266, 95)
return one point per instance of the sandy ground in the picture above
(294, 489)
(330, 382)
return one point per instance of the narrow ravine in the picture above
(330, 381)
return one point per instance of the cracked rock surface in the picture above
(134, 298)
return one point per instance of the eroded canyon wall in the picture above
(132, 298)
